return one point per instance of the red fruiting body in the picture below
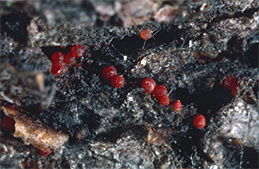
(159, 92)
(234, 90)
(177, 104)
(57, 57)
(45, 153)
(78, 50)
(69, 58)
(229, 83)
(165, 101)
(146, 34)
(57, 68)
(7, 124)
(199, 121)
(109, 72)
(148, 84)
(117, 81)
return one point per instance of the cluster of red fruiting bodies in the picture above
(110, 74)
(231, 84)
(61, 62)
(159, 92)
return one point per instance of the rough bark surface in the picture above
(195, 46)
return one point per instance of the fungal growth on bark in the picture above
(129, 84)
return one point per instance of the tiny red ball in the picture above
(78, 50)
(234, 90)
(148, 84)
(7, 124)
(165, 101)
(57, 57)
(146, 34)
(69, 58)
(199, 121)
(159, 91)
(229, 83)
(45, 153)
(117, 81)
(109, 72)
(57, 68)
(177, 104)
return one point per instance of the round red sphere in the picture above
(78, 50)
(45, 153)
(117, 81)
(199, 121)
(229, 83)
(7, 124)
(57, 68)
(177, 104)
(69, 58)
(148, 84)
(146, 34)
(165, 101)
(57, 57)
(159, 91)
(109, 72)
